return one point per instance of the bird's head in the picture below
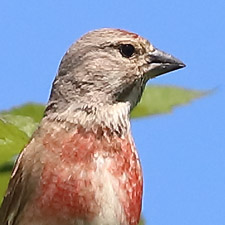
(108, 66)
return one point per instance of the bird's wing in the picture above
(16, 195)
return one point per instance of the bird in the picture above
(81, 166)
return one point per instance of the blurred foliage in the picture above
(18, 124)
(32, 110)
(162, 99)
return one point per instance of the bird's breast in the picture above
(91, 178)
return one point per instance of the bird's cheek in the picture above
(144, 70)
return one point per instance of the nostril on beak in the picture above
(154, 59)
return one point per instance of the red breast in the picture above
(93, 171)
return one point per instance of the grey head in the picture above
(106, 67)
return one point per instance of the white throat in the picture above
(114, 117)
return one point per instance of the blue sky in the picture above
(183, 153)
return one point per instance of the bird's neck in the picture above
(113, 118)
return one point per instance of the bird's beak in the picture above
(160, 62)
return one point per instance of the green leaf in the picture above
(162, 99)
(15, 130)
(23, 123)
(8, 165)
(33, 110)
(16, 127)
(12, 140)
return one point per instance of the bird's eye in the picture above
(127, 50)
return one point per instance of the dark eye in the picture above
(127, 50)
